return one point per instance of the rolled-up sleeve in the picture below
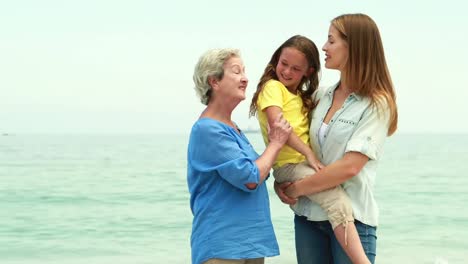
(214, 149)
(370, 133)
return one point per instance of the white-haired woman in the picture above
(228, 197)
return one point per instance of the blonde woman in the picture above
(348, 129)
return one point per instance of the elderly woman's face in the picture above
(234, 82)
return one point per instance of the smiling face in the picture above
(336, 50)
(234, 81)
(292, 66)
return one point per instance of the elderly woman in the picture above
(228, 197)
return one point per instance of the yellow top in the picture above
(274, 93)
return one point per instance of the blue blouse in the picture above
(229, 220)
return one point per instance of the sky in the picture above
(126, 66)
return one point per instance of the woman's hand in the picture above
(279, 190)
(279, 132)
(292, 190)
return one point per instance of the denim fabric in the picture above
(356, 127)
(316, 242)
(236, 261)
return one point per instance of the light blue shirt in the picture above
(229, 220)
(357, 127)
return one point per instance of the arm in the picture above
(277, 136)
(265, 162)
(214, 150)
(365, 144)
(294, 141)
(280, 189)
(330, 176)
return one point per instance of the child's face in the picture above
(292, 66)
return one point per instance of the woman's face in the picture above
(234, 82)
(292, 66)
(336, 50)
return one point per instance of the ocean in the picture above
(99, 199)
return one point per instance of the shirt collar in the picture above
(333, 88)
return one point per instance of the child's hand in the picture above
(314, 163)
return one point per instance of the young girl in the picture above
(286, 86)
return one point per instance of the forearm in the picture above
(293, 141)
(330, 176)
(327, 178)
(267, 159)
(278, 133)
(296, 143)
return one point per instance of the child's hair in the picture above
(307, 86)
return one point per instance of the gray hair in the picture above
(211, 64)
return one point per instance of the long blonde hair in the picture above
(366, 70)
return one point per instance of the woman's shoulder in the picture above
(206, 123)
(207, 128)
(321, 91)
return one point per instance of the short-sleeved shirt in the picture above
(357, 126)
(230, 221)
(274, 93)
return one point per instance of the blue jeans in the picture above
(316, 242)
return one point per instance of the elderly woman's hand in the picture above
(280, 188)
(280, 130)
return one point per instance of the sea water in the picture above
(100, 199)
